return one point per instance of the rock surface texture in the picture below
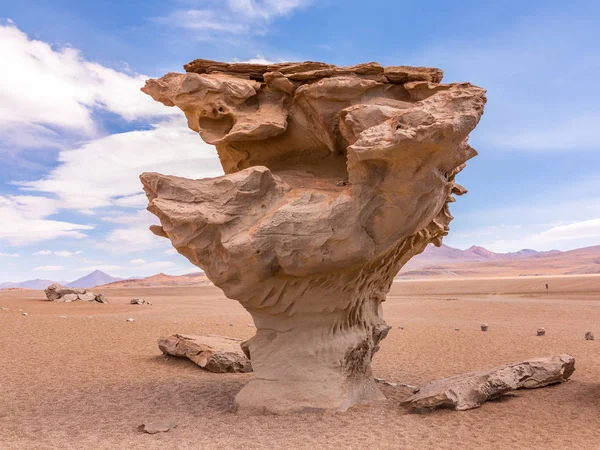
(470, 390)
(218, 354)
(58, 293)
(334, 178)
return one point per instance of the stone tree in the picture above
(334, 178)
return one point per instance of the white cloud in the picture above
(134, 236)
(48, 268)
(232, 17)
(106, 171)
(24, 220)
(560, 237)
(65, 253)
(258, 59)
(42, 253)
(44, 88)
(9, 255)
(137, 261)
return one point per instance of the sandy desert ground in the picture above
(87, 380)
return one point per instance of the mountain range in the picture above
(95, 278)
(444, 261)
(475, 261)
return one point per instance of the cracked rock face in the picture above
(334, 178)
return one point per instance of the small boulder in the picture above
(484, 327)
(137, 301)
(131, 319)
(100, 298)
(156, 426)
(25, 314)
(541, 332)
(589, 336)
(214, 353)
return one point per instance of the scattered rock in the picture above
(100, 298)
(401, 327)
(457, 329)
(137, 301)
(218, 354)
(63, 317)
(379, 380)
(3, 308)
(25, 314)
(57, 293)
(484, 327)
(541, 332)
(131, 319)
(470, 390)
(156, 426)
(589, 336)
(251, 325)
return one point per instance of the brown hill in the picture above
(161, 280)
(479, 262)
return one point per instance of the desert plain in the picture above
(89, 378)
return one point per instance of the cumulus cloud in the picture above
(9, 255)
(44, 89)
(106, 171)
(42, 253)
(132, 234)
(66, 253)
(25, 220)
(232, 17)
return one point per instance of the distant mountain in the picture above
(29, 284)
(95, 278)
(476, 261)
(162, 280)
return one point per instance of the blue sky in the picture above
(76, 132)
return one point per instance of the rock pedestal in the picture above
(334, 178)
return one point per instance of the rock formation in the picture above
(334, 178)
(58, 293)
(218, 354)
(470, 390)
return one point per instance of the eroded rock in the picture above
(57, 293)
(470, 390)
(335, 178)
(218, 354)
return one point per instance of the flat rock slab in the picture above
(219, 354)
(468, 391)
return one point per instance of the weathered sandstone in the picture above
(470, 390)
(58, 293)
(334, 178)
(214, 353)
